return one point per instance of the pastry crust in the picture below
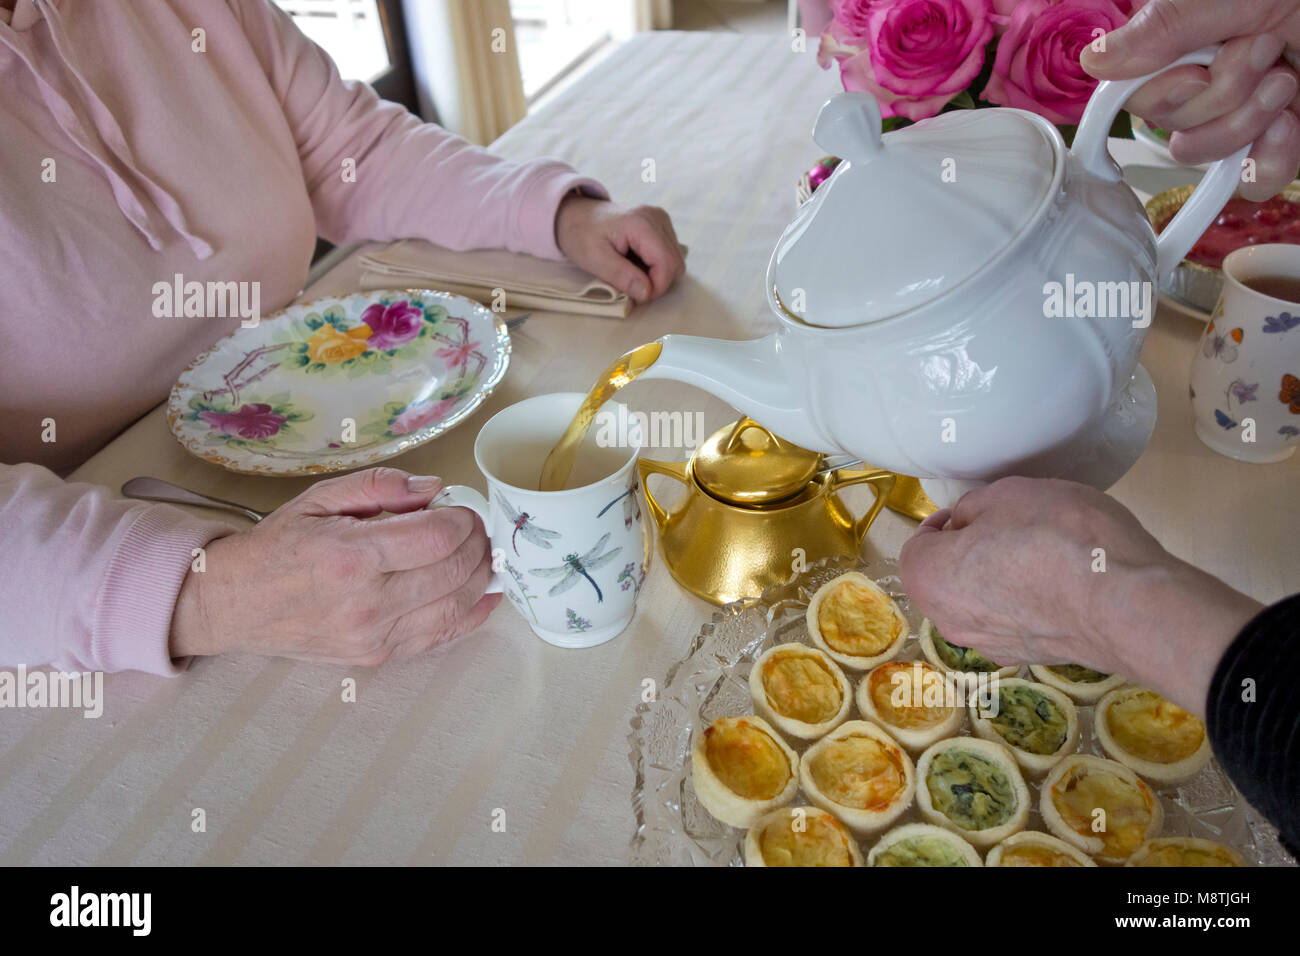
(847, 592)
(985, 756)
(802, 673)
(927, 635)
(923, 836)
(718, 796)
(1081, 692)
(1064, 778)
(1185, 851)
(1035, 764)
(800, 836)
(910, 690)
(1173, 771)
(1011, 851)
(859, 753)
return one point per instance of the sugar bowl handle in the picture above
(882, 483)
(673, 469)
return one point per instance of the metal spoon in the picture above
(155, 489)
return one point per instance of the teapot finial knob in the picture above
(848, 126)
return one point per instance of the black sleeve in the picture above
(1253, 716)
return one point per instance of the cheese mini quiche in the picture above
(1039, 723)
(855, 622)
(1147, 733)
(860, 774)
(1185, 851)
(1031, 848)
(974, 788)
(955, 659)
(1080, 786)
(911, 700)
(800, 690)
(922, 844)
(1083, 684)
(800, 836)
(743, 769)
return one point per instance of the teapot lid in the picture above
(745, 464)
(909, 215)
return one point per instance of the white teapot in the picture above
(962, 299)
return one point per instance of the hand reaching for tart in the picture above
(1027, 571)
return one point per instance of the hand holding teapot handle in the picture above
(1200, 209)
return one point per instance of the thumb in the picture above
(365, 494)
(1158, 34)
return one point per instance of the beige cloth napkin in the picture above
(529, 282)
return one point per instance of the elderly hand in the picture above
(1248, 93)
(1032, 571)
(315, 580)
(598, 235)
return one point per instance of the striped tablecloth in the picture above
(500, 728)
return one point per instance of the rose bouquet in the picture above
(922, 57)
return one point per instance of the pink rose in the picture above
(1004, 8)
(394, 325)
(1037, 66)
(912, 55)
(255, 421)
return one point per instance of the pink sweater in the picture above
(128, 157)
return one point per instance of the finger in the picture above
(936, 521)
(661, 254)
(1225, 135)
(1238, 70)
(1164, 30)
(448, 617)
(417, 539)
(1160, 98)
(364, 494)
(1277, 156)
(404, 591)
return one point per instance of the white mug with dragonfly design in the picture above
(572, 562)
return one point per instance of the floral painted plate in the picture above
(339, 383)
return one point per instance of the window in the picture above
(348, 30)
(555, 36)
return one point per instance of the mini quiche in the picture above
(1100, 806)
(854, 621)
(1083, 684)
(1147, 733)
(743, 769)
(859, 773)
(1185, 851)
(955, 659)
(800, 691)
(800, 836)
(921, 844)
(1031, 848)
(912, 700)
(972, 787)
(1039, 723)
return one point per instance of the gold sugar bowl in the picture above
(755, 505)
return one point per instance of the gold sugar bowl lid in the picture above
(744, 464)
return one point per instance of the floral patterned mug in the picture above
(1245, 381)
(572, 562)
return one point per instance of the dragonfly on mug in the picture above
(574, 568)
(524, 525)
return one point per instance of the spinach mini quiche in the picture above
(742, 769)
(800, 836)
(1039, 723)
(974, 788)
(955, 659)
(1083, 684)
(922, 844)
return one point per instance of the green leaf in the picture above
(313, 321)
(962, 101)
(316, 367)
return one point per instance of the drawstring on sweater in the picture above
(127, 189)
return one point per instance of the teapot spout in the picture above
(750, 375)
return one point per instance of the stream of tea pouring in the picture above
(559, 463)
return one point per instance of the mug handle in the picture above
(1214, 189)
(463, 496)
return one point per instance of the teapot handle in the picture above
(1214, 189)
